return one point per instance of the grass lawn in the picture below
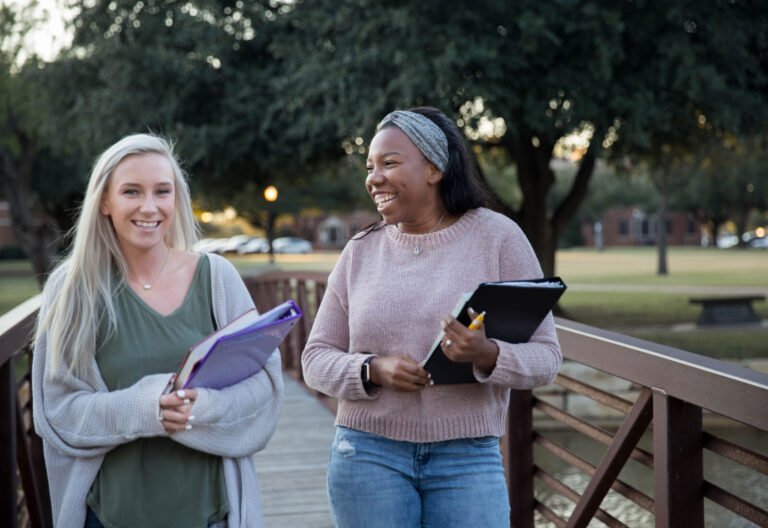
(730, 343)
(657, 303)
(616, 289)
(15, 266)
(619, 309)
(15, 289)
(686, 267)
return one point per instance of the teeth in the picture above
(382, 199)
(146, 224)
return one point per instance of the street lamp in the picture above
(270, 195)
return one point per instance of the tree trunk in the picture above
(661, 229)
(715, 224)
(741, 216)
(37, 239)
(271, 234)
(536, 178)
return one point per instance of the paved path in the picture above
(292, 468)
(661, 288)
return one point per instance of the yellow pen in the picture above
(477, 321)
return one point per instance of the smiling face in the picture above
(140, 201)
(402, 182)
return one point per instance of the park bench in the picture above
(735, 309)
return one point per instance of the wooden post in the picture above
(678, 473)
(519, 457)
(8, 480)
(37, 502)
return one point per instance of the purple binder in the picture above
(240, 349)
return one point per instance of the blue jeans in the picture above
(378, 483)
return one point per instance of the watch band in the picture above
(365, 373)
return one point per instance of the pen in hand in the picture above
(477, 322)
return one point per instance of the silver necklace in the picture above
(416, 247)
(148, 285)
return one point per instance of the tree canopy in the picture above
(522, 76)
(288, 93)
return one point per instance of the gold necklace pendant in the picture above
(416, 248)
(146, 286)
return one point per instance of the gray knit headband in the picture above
(423, 132)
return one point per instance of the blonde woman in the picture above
(118, 314)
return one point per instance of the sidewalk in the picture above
(690, 290)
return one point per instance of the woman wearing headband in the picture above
(406, 452)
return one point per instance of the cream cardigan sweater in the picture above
(383, 299)
(79, 420)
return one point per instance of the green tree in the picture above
(202, 73)
(27, 165)
(726, 179)
(199, 72)
(702, 73)
(522, 76)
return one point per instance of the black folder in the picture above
(513, 312)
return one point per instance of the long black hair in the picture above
(460, 188)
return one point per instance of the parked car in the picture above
(254, 245)
(758, 242)
(727, 241)
(209, 245)
(201, 244)
(291, 245)
(231, 244)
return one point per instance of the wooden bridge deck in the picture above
(292, 468)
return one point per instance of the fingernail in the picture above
(442, 324)
(431, 382)
(181, 394)
(191, 418)
(429, 375)
(188, 427)
(186, 401)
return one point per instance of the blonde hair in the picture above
(95, 268)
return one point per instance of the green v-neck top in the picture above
(156, 482)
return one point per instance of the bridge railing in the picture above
(671, 393)
(676, 393)
(23, 484)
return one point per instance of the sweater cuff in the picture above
(152, 388)
(496, 376)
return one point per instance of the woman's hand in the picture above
(463, 345)
(176, 410)
(399, 373)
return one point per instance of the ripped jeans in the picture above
(380, 483)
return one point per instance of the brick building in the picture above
(7, 237)
(631, 226)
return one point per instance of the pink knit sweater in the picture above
(383, 299)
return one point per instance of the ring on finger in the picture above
(448, 343)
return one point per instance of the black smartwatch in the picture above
(365, 374)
